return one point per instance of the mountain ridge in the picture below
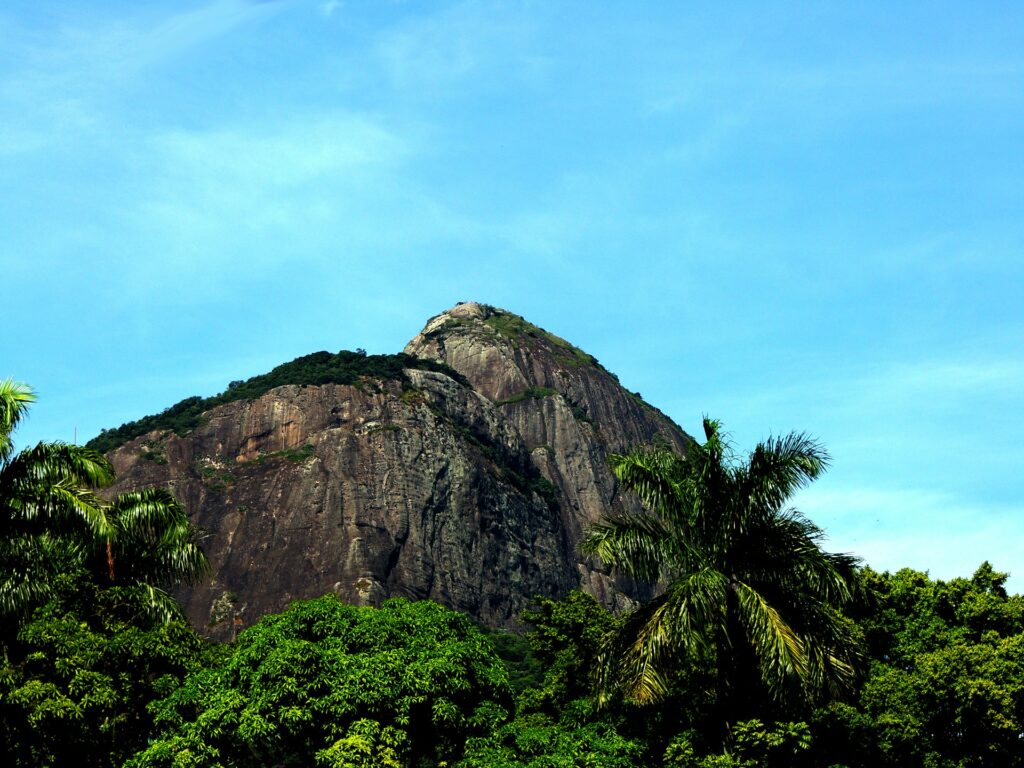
(413, 484)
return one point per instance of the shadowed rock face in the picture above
(476, 498)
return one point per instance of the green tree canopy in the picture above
(330, 684)
(75, 687)
(946, 688)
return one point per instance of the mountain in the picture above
(463, 470)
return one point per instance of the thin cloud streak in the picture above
(68, 83)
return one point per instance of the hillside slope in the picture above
(467, 477)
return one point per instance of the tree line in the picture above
(760, 648)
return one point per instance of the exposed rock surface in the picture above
(476, 498)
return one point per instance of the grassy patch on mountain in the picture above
(514, 327)
(532, 393)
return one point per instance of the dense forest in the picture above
(761, 649)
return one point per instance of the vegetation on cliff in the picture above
(319, 368)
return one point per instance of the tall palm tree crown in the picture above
(51, 520)
(744, 579)
(47, 506)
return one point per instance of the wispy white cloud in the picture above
(210, 191)
(437, 53)
(328, 8)
(307, 191)
(64, 81)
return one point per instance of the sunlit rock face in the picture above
(476, 497)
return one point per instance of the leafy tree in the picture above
(557, 722)
(331, 684)
(84, 670)
(959, 707)
(753, 744)
(747, 586)
(566, 636)
(946, 688)
(911, 614)
(537, 741)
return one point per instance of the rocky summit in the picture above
(467, 474)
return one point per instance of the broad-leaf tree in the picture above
(745, 583)
(337, 686)
(87, 664)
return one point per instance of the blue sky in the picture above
(789, 216)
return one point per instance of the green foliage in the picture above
(525, 670)
(557, 725)
(748, 589)
(76, 685)
(548, 491)
(151, 545)
(294, 455)
(154, 452)
(959, 706)
(752, 744)
(316, 369)
(530, 393)
(946, 688)
(566, 636)
(580, 414)
(517, 330)
(910, 614)
(536, 741)
(47, 509)
(335, 684)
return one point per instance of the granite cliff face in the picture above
(475, 496)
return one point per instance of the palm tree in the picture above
(48, 508)
(151, 545)
(745, 581)
(51, 521)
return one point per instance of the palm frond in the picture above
(783, 550)
(641, 544)
(680, 622)
(15, 398)
(629, 662)
(654, 475)
(836, 652)
(748, 578)
(29, 564)
(57, 463)
(781, 652)
(780, 466)
(154, 539)
(61, 508)
(160, 607)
